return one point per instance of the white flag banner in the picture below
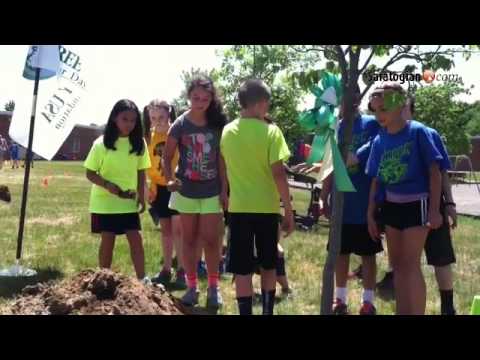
(58, 101)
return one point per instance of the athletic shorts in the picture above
(404, 216)
(438, 247)
(356, 240)
(118, 224)
(253, 240)
(160, 205)
(186, 205)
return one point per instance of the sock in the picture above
(245, 305)
(341, 293)
(368, 296)
(213, 280)
(268, 301)
(192, 280)
(281, 266)
(446, 299)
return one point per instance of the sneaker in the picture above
(163, 277)
(146, 281)
(339, 308)
(191, 297)
(368, 309)
(202, 269)
(386, 284)
(214, 298)
(180, 281)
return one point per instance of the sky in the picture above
(144, 72)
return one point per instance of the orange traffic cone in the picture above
(45, 182)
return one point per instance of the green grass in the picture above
(58, 243)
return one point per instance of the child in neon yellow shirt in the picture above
(116, 166)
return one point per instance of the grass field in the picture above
(58, 243)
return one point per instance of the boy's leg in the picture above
(241, 259)
(369, 275)
(136, 252)
(410, 271)
(244, 293)
(440, 254)
(105, 253)
(444, 275)
(266, 240)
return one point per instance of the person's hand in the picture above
(224, 200)
(141, 205)
(288, 223)
(434, 220)
(373, 229)
(452, 215)
(352, 159)
(314, 168)
(174, 185)
(112, 188)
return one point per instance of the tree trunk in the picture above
(335, 234)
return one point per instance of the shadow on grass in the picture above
(11, 286)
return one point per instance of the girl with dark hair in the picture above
(160, 115)
(116, 166)
(405, 162)
(196, 134)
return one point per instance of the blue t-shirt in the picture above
(402, 161)
(444, 164)
(365, 128)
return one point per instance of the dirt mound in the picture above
(102, 292)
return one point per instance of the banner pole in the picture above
(27, 168)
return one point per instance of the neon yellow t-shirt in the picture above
(119, 167)
(250, 147)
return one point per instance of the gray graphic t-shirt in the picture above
(199, 148)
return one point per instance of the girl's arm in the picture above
(434, 216)
(98, 180)
(372, 207)
(224, 183)
(168, 153)
(141, 190)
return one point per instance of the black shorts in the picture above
(357, 240)
(159, 207)
(115, 223)
(404, 216)
(438, 247)
(250, 232)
